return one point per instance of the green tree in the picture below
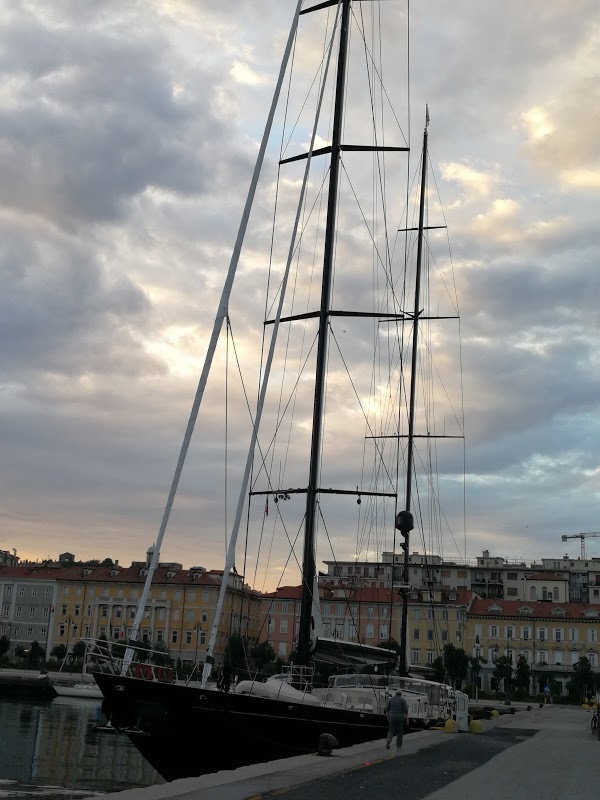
(36, 653)
(456, 662)
(522, 676)
(263, 653)
(59, 651)
(503, 671)
(439, 670)
(78, 650)
(160, 654)
(583, 680)
(20, 651)
(4, 645)
(235, 652)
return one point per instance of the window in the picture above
(102, 630)
(17, 630)
(188, 637)
(283, 626)
(369, 631)
(47, 592)
(370, 611)
(414, 657)
(6, 609)
(88, 611)
(131, 612)
(429, 635)
(444, 636)
(512, 576)
(61, 630)
(43, 632)
(106, 592)
(8, 590)
(573, 635)
(512, 591)
(444, 613)
(429, 657)
(383, 632)
(416, 634)
(189, 615)
(87, 631)
(21, 591)
(525, 633)
(178, 594)
(202, 637)
(32, 611)
(205, 595)
(430, 614)
(542, 655)
(493, 631)
(542, 634)
(29, 632)
(558, 635)
(510, 632)
(18, 611)
(327, 609)
(34, 592)
(284, 608)
(104, 611)
(555, 593)
(118, 612)
(174, 637)
(459, 615)
(340, 610)
(592, 635)
(417, 613)
(176, 613)
(63, 610)
(593, 659)
(77, 610)
(282, 649)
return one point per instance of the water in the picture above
(51, 751)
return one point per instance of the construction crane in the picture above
(583, 537)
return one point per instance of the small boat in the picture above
(87, 691)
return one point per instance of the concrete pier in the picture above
(544, 754)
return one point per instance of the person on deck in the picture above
(397, 712)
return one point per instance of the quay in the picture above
(543, 754)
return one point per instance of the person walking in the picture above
(397, 712)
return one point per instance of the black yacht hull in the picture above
(184, 731)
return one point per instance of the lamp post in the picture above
(198, 629)
(476, 666)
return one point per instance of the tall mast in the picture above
(309, 559)
(404, 520)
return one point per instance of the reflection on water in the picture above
(52, 750)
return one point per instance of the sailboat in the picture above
(190, 730)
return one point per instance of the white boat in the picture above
(88, 691)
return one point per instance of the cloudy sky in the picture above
(128, 133)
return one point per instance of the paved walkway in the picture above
(544, 754)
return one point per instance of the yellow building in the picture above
(551, 636)
(76, 602)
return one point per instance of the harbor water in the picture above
(52, 750)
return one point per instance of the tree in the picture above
(390, 644)
(59, 651)
(78, 650)
(20, 651)
(522, 676)
(235, 652)
(263, 653)
(160, 654)
(583, 680)
(36, 652)
(439, 670)
(456, 662)
(4, 645)
(503, 671)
